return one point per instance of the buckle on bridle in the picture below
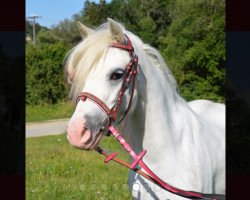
(105, 126)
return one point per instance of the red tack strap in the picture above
(138, 158)
(110, 157)
(127, 46)
(127, 147)
(122, 46)
(95, 99)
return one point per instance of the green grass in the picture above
(48, 111)
(55, 170)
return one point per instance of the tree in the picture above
(66, 31)
(147, 30)
(189, 34)
(29, 28)
(44, 73)
(194, 47)
(94, 14)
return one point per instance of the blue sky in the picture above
(54, 11)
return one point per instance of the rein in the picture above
(150, 175)
(111, 120)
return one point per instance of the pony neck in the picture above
(159, 121)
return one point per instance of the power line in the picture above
(33, 18)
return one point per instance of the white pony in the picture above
(185, 142)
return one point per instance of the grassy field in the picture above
(48, 111)
(55, 170)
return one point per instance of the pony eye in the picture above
(118, 74)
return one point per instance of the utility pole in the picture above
(34, 17)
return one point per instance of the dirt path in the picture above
(51, 127)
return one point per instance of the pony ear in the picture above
(116, 30)
(84, 30)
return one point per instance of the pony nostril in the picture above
(93, 121)
(83, 130)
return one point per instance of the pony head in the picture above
(96, 68)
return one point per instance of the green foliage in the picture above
(189, 34)
(94, 14)
(147, 19)
(29, 28)
(45, 37)
(44, 73)
(66, 31)
(194, 47)
(147, 30)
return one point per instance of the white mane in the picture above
(158, 61)
(84, 57)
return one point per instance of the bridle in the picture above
(111, 121)
(129, 76)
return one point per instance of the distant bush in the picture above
(44, 73)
